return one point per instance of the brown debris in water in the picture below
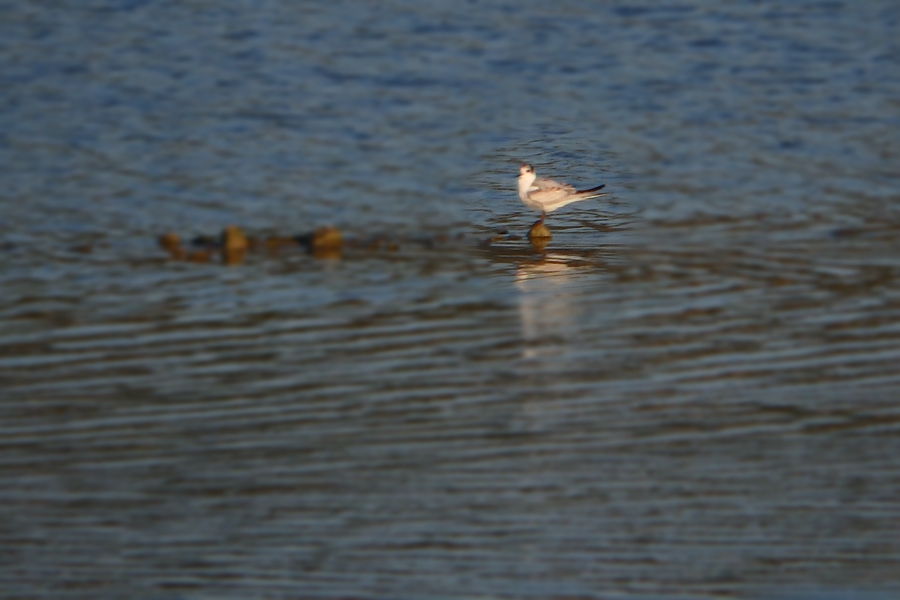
(233, 238)
(234, 245)
(169, 240)
(274, 243)
(207, 241)
(324, 242)
(326, 238)
(199, 256)
(171, 243)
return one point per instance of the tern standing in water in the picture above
(547, 195)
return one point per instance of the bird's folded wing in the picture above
(549, 184)
(549, 194)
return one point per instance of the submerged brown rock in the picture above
(539, 231)
(539, 243)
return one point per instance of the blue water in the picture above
(691, 392)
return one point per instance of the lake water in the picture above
(691, 392)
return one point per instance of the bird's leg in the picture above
(541, 220)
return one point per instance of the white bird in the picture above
(547, 195)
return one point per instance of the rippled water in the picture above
(691, 392)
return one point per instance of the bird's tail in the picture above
(590, 193)
(593, 189)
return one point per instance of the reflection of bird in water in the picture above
(547, 195)
(548, 309)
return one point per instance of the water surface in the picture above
(690, 393)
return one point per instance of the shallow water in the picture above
(690, 393)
